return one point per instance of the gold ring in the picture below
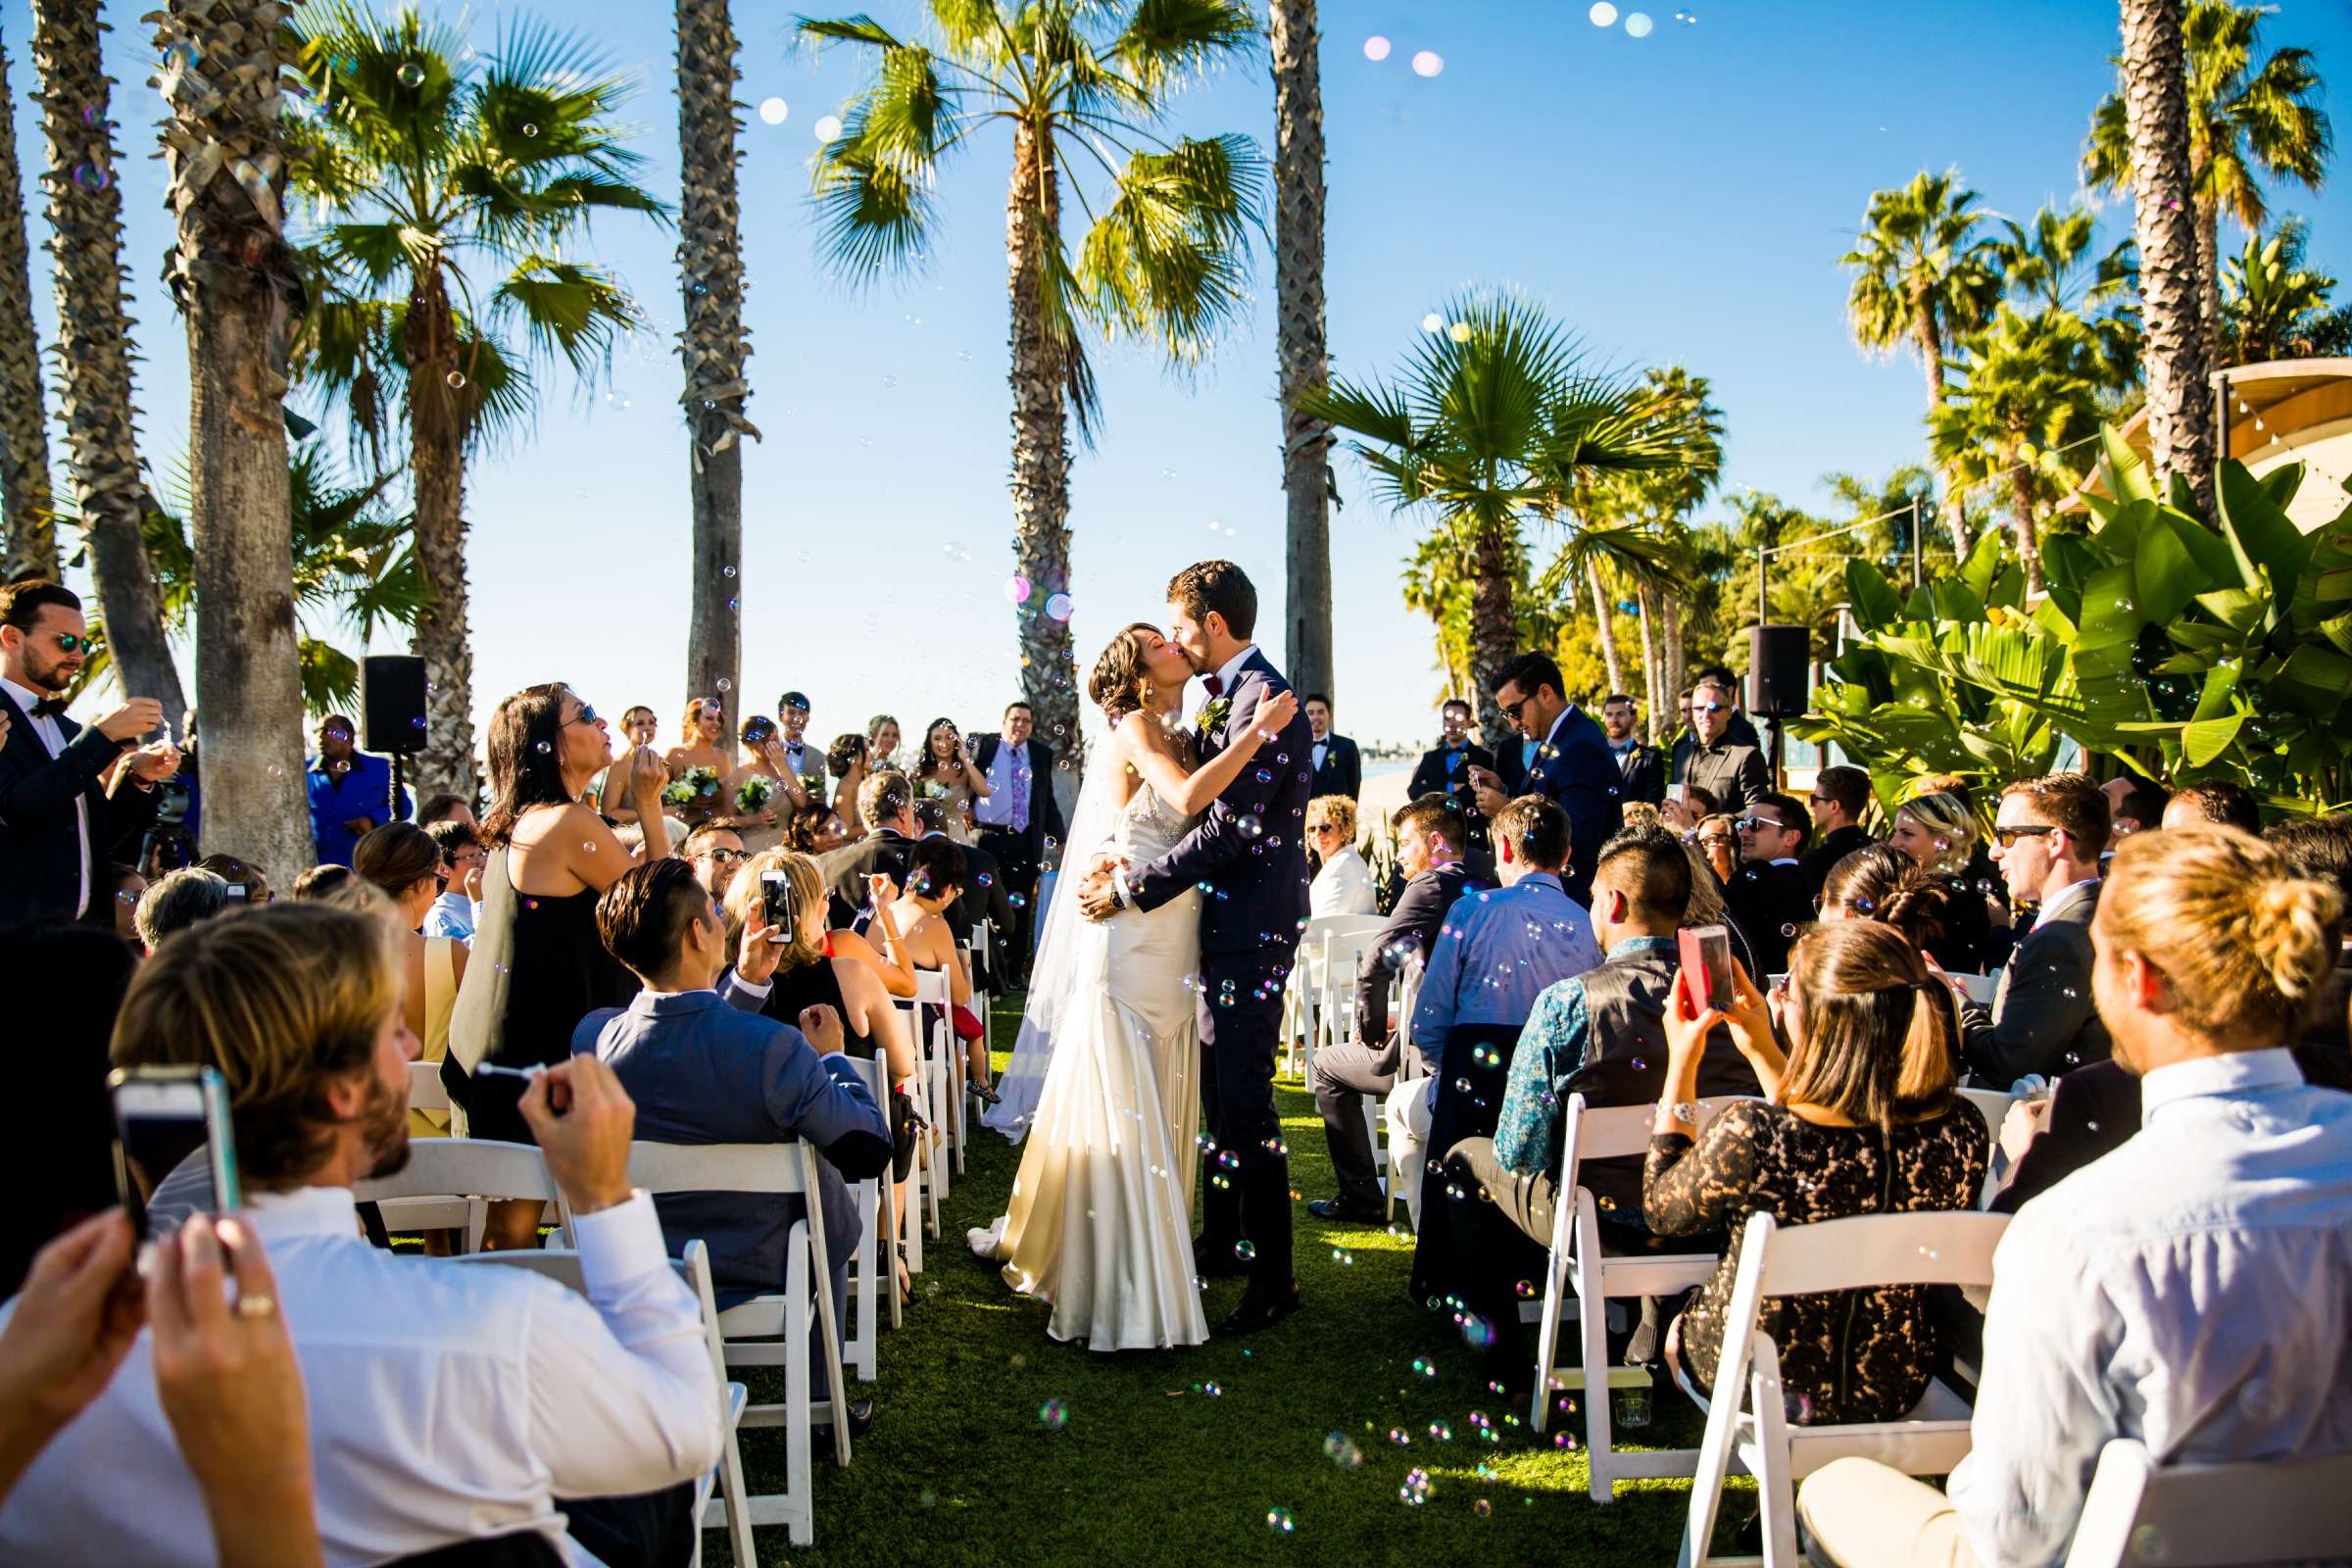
(257, 1307)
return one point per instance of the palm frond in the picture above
(1166, 41)
(1170, 257)
(567, 309)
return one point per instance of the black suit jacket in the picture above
(1823, 859)
(984, 893)
(2043, 1019)
(1644, 770)
(846, 869)
(1433, 776)
(1734, 773)
(1045, 812)
(1412, 929)
(42, 853)
(1576, 771)
(1343, 769)
(1771, 904)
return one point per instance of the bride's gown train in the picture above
(1100, 1224)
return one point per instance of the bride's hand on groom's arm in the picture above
(1098, 896)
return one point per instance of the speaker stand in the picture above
(394, 814)
(1780, 770)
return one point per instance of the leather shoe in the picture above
(1216, 1260)
(1341, 1211)
(1261, 1311)
(861, 1421)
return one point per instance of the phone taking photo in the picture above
(778, 906)
(175, 1147)
(1706, 952)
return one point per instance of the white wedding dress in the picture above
(1100, 1224)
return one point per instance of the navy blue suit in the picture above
(1578, 771)
(1254, 875)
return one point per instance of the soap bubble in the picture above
(1460, 331)
(773, 110)
(1637, 25)
(1058, 607)
(456, 380)
(92, 176)
(1341, 1449)
(1054, 1415)
(1377, 47)
(1604, 13)
(827, 126)
(1433, 323)
(1428, 63)
(412, 74)
(1279, 1521)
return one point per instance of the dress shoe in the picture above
(1261, 1311)
(861, 1421)
(1341, 1211)
(1216, 1260)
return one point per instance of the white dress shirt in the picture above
(1232, 669)
(1343, 886)
(447, 1402)
(2192, 1289)
(53, 736)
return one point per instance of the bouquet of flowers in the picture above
(698, 782)
(932, 789)
(752, 795)
(812, 783)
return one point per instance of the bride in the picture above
(1101, 1220)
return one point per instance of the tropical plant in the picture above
(2185, 646)
(445, 185)
(1301, 348)
(2027, 391)
(94, 345)
(238, 286)
(2274, 308)
(1080, 84)
(715, 346)
(28, 510)
(2054, 266)
(2248, 115)
(1495, 420)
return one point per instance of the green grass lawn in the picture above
(1180, 1456)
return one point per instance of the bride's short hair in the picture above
(1120, 678)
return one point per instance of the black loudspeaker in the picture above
(391, 703)
(1779, 673)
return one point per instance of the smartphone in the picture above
(176, 1148)
(1707, 960)
(238, 892)
(778, 907)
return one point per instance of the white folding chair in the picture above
(1859, 1253)
(1334, 1010)
(731, 1507)
(938, 1053)
(877, 1241)
(449, 1183)
(1994, 1105)
(771, 1330)
(1579, 1279)
(1308, 986)
(2203, 1515)
(426, 1092)
(1410, 1068)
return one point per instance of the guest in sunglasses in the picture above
(2046, 840)
(1710, 759)
(1769, 897)
(716, 854)
(351, 793)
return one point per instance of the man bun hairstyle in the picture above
(644, 916)
(1219, 588)
(2318, 848)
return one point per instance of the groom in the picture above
(1247, 855)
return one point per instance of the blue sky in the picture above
(1679, 196)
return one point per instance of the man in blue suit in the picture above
(1573, 764)
(703, 1072)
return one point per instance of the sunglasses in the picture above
(1710, 708)
(2007, 836)
(586, 716)
(81, 643)
(726, 856)
(1752, 823)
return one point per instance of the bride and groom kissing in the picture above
(1155, 999)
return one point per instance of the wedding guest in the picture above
(815, 833)
(1840, 794)
(64, 983)
(351, 793)
(1643, 764)
(176, 901)
(882, 745)
(1019, 822)
(538, 966)
(1939, 831)
(1707, 906)
(607, 793)
(700, 763)
(1718, 839)
(2134, 805)
(1571, 765)
(935, 879)
(246, 883)
(703, 1072)
(795, 758)
(1709, 758)
(1640, 814)
(885, 805)
(459, 908)
(758, 797)
(1859, 1118)
(846, 761)
(984, 893)
(1449, 768)
(945, 772)
(716, 854)
(2321, 848)
(1736, 729)
(59, 827)
(121, 910)
(2188, 1289)
(588, 1413)
(403, 863)
(2215, 800)
(1337, 765)
(1768, 895)
(1343, 883)
(448, 807)
(1689, 805)
(1429, 854)
(2046, 840)
(320, 882)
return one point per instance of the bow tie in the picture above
(1215, 685)
(49, 708)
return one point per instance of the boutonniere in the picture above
(1212, 716)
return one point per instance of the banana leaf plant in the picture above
(2185, 646)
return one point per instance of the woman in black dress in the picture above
(1858, 1118)
(537, 965)
(1940, 834)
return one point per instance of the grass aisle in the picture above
(1178, 1456)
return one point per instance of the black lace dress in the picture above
(1845, 1355)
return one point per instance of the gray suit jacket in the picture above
(2044, 1018)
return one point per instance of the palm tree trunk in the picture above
(1609, 631)
(1494, 622)
(2209, 271)
(237, 285)
(94, 345)
(1301, 348)
(1041, 446)
(1645, 597)
(711, 258)
(2028, 542)
(437, 483)
(1931, 356)
(27, 511)
(2164, 221)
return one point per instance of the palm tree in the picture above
(2053, 265)
(2247, 118)
(94, 344)
(238, 285)
(2274, 308)
(2164, 193)
(1494, 419)
(27, 511)
(711, 258)
(2026, 388)
(1080, 83)
(446, 185)
(1303, 348)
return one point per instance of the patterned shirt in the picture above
(1551, 1048)
(1496, 951)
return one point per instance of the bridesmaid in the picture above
(946, 768)
(608, 792)
(703, 738)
